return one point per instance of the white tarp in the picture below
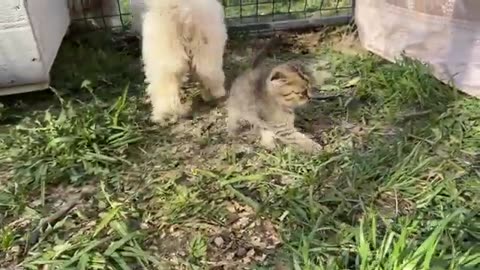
(442, 33)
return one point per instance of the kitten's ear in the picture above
(278, 78)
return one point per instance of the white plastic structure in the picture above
(31, 32)
(137, 8)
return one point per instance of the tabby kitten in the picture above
(266, 98)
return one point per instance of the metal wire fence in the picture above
(286, 14)
(247, 15)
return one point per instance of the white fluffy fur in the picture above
(178, 36)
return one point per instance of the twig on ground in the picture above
(326, 97)
(56, 216)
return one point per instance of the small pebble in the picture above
(241, 252)
(219, 241)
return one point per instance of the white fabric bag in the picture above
(443, 33)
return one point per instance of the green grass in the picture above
(398, 186)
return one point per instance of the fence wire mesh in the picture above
(104, 14)
(240, 14)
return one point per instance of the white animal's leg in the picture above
(165, 99)
(165, 64)
(208, 60)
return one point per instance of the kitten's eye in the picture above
(278, 76)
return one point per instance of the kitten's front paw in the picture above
(268, 140)
(312, 148)
(269, 145)
(317, 148)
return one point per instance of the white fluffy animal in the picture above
(180, 36)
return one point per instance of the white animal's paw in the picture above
(164, 118)
(219, 93)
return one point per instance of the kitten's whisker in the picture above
(325, 97)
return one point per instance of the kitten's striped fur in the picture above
(266, 98)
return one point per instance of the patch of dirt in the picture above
(243, 239)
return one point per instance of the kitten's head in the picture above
(290, 84)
